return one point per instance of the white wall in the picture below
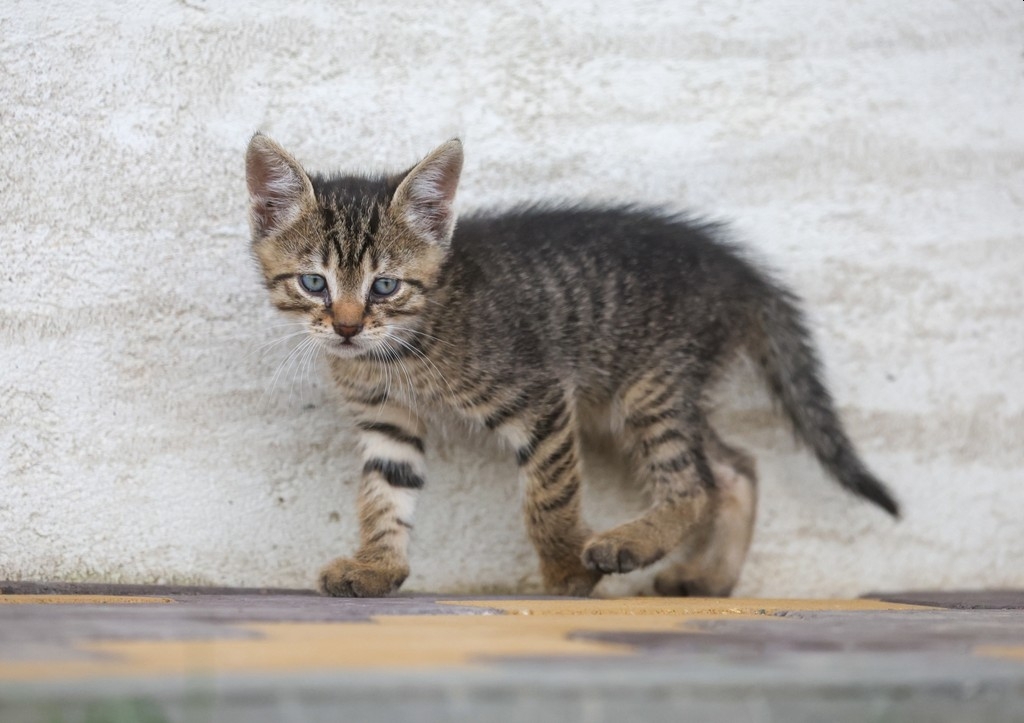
(871, 151)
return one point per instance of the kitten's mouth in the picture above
(346, 348)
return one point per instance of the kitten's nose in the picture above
(347, 331)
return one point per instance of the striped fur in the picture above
(518, 321)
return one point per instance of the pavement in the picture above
(132, 654)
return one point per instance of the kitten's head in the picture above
(355, 258)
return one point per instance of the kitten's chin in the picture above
(351, 350)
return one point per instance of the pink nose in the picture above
(346, 330)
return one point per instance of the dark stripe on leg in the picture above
(543, 429)
(396, 474)
(380, 536)
(683, 461)
(565, 466)
(660, 397)
(669, 435)
(563, 498)
(394, 433)
(641, 421)
(564, 449)
(675, 464)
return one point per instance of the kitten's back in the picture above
(605, 285)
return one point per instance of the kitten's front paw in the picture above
(346, 577)
(610, 552)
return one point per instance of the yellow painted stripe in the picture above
(1010, 652)
(684, 606)
(79, 600)
(528, 628)
(412, 642)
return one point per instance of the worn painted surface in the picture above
(153, 429)
(245, 656)
(216, 635)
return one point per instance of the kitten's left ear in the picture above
(425, 198)
(279, 190)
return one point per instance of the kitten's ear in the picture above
(425, 198)
(279, 189)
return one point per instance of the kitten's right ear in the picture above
(425, 198)
(279, 189)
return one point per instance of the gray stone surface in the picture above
(908, 665)
(813, 688)
(959, 599)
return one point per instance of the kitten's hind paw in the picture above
(346, 577)
(612, 552)
(575, 583)
(681, 582)
(673, 586)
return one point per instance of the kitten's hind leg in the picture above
(393, 474)
(663, 426)
(548, 451)
(713, 569)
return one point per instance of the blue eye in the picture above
(384, 286)
(313, 283)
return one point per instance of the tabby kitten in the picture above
(530, 322)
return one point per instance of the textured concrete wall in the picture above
(871, 151)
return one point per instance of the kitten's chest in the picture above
(414, 382)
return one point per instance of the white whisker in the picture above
(313, 358)
(265, 348)
(286, 323)
(291, 356)
(404, 370)
(424, 357)
(439, 340)
(301, 364)
(375, 352)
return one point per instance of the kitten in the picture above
(525, 322)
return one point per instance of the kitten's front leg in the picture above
(393, 475)
(548, 452)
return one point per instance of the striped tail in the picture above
(786, 356)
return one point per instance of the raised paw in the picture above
(346, 577)
(610, 553)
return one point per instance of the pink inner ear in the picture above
(439, 182)
(256, 173)
(431, 194)
(275, 190)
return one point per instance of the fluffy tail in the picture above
(786, 356)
